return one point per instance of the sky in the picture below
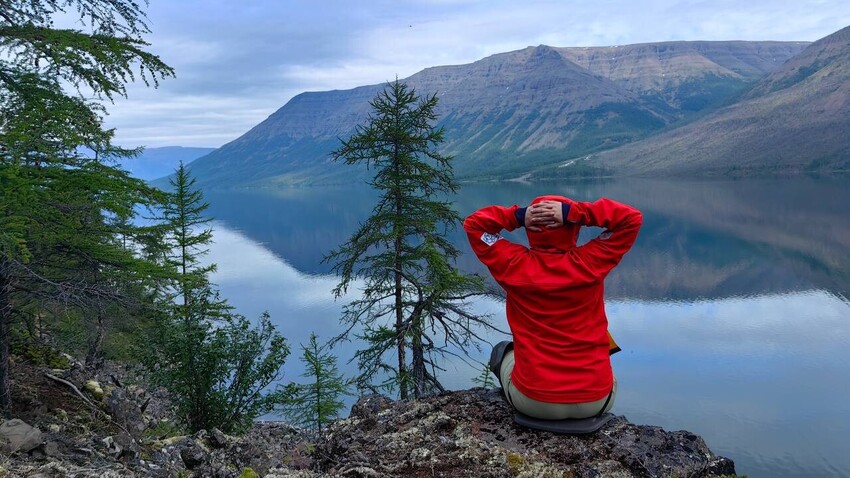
(237, 62)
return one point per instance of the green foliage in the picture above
(66, 235)
(41, 354)
(411, 293)
(485, 378)
(218, 367)
(318, 402)
(220, 372)
(103, 59)
(189, 235)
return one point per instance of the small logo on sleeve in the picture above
(490, 239)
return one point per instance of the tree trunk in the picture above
(399, 305)
(399, 329)
(5, 337)
(418, 372)
(95, 342)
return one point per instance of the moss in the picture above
(515, 462)
(249, 473)
(44, 356)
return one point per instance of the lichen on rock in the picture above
(471, 433)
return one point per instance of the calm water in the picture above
(731, 308)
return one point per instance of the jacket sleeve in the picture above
(482, 230)
(621, 222)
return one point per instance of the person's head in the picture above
(559, 238)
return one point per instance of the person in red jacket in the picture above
(559, 365)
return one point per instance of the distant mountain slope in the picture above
(510, 112)
(155, 163)
(687, 75)
(795, 119)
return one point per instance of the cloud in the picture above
(238, 62)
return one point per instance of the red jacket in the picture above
(555, 293)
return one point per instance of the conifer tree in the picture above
(413, 298)
(46, 252)
(318, 402)
(221, 371)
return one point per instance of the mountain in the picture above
(155, 163)
(795, 119)
(511, 112)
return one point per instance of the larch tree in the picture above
(413, 300)
(222, 370)
(318, 402)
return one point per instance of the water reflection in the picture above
(701, 239)
(730, 309)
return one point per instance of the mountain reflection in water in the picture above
(731, 308)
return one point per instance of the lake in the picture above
(732, 308)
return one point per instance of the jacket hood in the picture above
(558, 239)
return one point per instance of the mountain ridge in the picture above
(509, 113)
(793, 120)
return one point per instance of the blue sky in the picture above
(237, 62)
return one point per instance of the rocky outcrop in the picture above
(471, 434)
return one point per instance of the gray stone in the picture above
(16, 435)
(126, 412)
(192, 454)
(51, 449)
(112, 448)
(217, 438)
(131, 451)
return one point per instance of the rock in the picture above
(51, 449)
(16, 435)
(126, 413)
(131, 451)
(192, 454)
(463, 434)
(93, 387)
(217, 438)
(122, 447)
(112, 448)
(370, 405)
(471, 433)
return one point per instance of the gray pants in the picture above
(545, 410)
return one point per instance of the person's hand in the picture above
(545, 214)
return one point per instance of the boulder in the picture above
(16, 435)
